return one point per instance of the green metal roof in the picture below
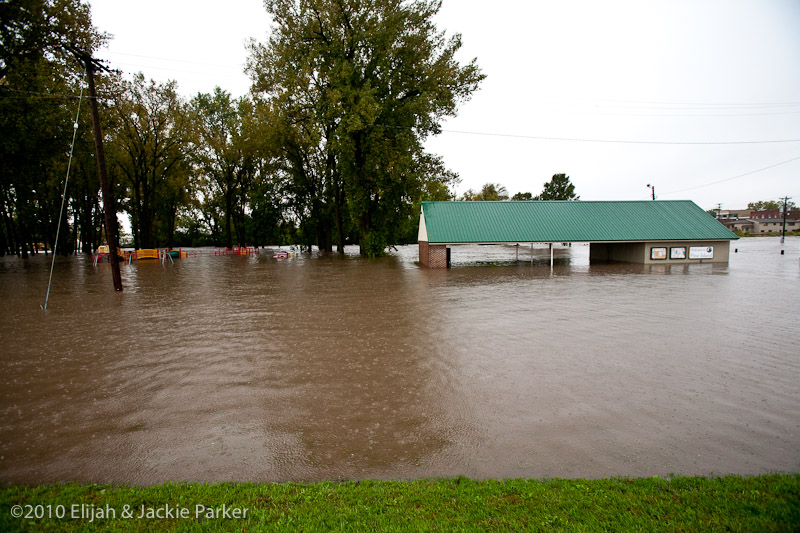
(573, 221)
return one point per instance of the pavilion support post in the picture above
(551, 256)
(531, 254)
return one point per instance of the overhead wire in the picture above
(617, 141)
(35, 94)
(732, 178)
(590, 112)
(703, 106)
(512, 135)
(695, 105)
(171, 69)
(169, 59)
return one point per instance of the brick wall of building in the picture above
(437, 256)
(423, 253)
(432, 255)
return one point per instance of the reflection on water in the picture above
(328, 367)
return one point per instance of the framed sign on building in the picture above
(701, 252)
(677, 252)
(658, 254)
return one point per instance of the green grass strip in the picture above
(731, 503)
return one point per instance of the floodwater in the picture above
(324, 367)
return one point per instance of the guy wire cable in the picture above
(63, 196)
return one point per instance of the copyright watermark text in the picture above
(91, 512)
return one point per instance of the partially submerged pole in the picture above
(785, 209)
(108, 196)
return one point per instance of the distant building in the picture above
(742, 225)
(732, 214)
(771, 221)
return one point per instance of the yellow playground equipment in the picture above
(146, 253)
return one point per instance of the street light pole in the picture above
(653, 187)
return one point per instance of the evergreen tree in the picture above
(558, 188)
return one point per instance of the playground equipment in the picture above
(239, 250)
(104, 253)
(146, 253)
(166, 254)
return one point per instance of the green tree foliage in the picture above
(763, 205)
(489, 192)
(153, 145)
(38, 100)
(522, 196)
(428, 190)
(228, 159)
(36, 30)
(328, 149)
(357, 87)
(558, 188)
(769, 205)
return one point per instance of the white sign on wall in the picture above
(701, 252)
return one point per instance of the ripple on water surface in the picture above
(328, 367)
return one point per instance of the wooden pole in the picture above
(108, 196)
(785, 209)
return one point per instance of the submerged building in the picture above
(672, 231)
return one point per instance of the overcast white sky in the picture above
(560, 76)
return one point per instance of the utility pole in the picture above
(719, 210)
(109, 210)
(785, 209)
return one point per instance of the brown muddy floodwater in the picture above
(327, 367)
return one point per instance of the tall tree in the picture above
(154, 140)
(227, 156)
(558, 188)
(38, 99)
(361, 84)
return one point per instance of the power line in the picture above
(48, 95)
(734, 177)
(508, 135)
(670, 115)
(697, 105)
(170, 59)
(616, 141)
(173, 69)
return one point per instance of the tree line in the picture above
(558, 188)
(325, 150)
